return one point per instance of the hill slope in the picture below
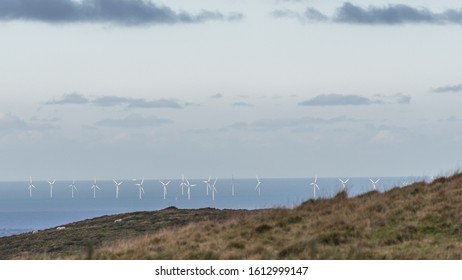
(420, 221)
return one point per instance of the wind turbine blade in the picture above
(167, 183)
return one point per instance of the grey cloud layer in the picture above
(352, 99)
(9, 122)
(71, 98)
(134, 121)
(391, 14)
(110, 101)
(450, 88)
(336, 99)
(284, 123)
(121, 12)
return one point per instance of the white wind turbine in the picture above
(374, 183)
(188, 185)
(165, 188)
(117, 185)
(214, 190)
(344, 183)
(140, 185)
(94, 187)
(258, 188)
(315, 185)
(207, 185)
(30, 186)
(182, 185)
(232, 185)
(73, 187)
(51, 187)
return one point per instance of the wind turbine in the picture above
(374, 187)
(207, 185)
(258, 186)
(214, 190)
(315, 185)
(30, 186)
(188, 185)
(232, 185)
(117, 185)
(165, 188)
(140, 185)
(182, 185)
(72, 186)
(94, 187)
(344, 183)
(51, 187)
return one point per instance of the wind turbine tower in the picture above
(51, 187)
(315, 185)
(232, 185)
(73, 187)
(344, 182)
(188, 185)
(30, 186)
(214, 190)
(258, 188)
(165, 188)
(140, 185)
(182, 185)
(117, 185)
(207, 185)
(94, 187)
(374, 183)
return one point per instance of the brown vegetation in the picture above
(420, 221)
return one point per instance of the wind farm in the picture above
(294, 221)
(186, 188)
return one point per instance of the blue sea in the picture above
(21, 213)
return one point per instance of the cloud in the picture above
(119, 12)
(451, 88)
(241, 104)
(8, 121)
(336, 100)
(391, 14)
(284, 123)
(71, 98)
(451, 119)
(134, 121)
(402, 99)
(161, 103)
(354, 100)
(217, 96)
(112, 101)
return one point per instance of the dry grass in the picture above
(420, 221)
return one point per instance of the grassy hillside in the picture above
(420, 221)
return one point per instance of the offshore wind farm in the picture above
(21, 212)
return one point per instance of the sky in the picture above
(275, 88)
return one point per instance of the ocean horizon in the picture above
(20, 212)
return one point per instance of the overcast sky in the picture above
(278, 88)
